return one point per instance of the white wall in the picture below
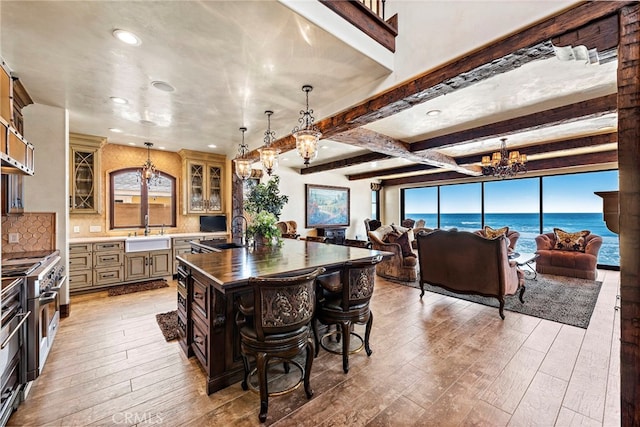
(47, 128)
(292, 184)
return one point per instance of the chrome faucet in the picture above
(243, 237)
(146, 225)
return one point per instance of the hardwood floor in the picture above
(436, 361)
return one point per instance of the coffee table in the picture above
(525, 259)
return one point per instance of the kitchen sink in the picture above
(147, 243)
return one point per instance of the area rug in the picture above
(168, 323)
(137, 287)
(561, 299)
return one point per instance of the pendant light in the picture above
(148, 173)
(243, 164)
(306, 133)
(269, 154)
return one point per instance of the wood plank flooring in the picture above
(438, 361)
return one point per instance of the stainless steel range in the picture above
(44, 275)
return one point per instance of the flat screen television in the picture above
(210, 223)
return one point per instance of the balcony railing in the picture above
(376, 6)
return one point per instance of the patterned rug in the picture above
(561, 299)
(137, 287)
(168, 323)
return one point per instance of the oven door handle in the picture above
(59, 284)
(47, 297)
(24, 319)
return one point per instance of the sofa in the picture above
(466, 263)
(580, 261)
(402, 265)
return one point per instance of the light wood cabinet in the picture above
(80, 266)
(12, 194)
(6, 90)
(181, 246)
(204, 182)
(108, 263)
(146, 265)
(85, 182)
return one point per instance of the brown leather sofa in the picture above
(463, 262)
(568, 263)
(397, 267)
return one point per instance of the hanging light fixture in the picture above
(269, 154)
(504, 164)
(243, 164)
(307, 134)
(148, 173)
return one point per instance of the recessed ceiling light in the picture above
(118, 100)
(373, 165)
(324, 147)
(162, 148)
(146, 122)
(163, 86)
(127, 37)
(433, 112)
(132, 143)
(115, 130)
(212, 146)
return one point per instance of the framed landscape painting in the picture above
(326, 206)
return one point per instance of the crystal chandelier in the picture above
(148, 173)
(269, 154)
(243, 164)
(307, 134)
(504, 164)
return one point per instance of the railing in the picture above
(376, 6)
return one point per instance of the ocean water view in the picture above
(528, 225)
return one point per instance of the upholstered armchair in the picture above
(402, 265)
(512, 235)
(572, 263)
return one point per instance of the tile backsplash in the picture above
(33, 232)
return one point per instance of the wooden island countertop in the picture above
(231, 268)
(210, 286)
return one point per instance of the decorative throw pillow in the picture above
(403, 241)
(490, 233)
(399, 229)
(570, 241)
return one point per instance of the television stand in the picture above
(335, 235)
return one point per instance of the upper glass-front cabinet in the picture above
(84, 182)
(204, 182)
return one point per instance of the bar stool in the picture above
(343, 300)
(278, 326)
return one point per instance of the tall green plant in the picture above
(266, 197)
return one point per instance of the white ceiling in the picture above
(231, 60)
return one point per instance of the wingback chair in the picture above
(579, 264)
(288, 229)
(463, 262)
(402, 265)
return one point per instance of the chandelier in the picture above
(269, 154)
(307, 134)
(243, 163)
(148, 173)
(504, 164)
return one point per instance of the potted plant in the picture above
(264, 205)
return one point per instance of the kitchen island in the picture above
(210, 286)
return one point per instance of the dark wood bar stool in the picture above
(343, 300)
(278, 326)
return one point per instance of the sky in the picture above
(563, 193)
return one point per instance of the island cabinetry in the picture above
(181, 245)
(80, 266)
(147, 265)
(184, 307)
(84, 174)
(108, 262)
(204, 181)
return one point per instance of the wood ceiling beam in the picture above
(453, 75)
(570, 144)
(350, 161)
(601, 35)
(566, 114)
(383, 144)
(588, 159)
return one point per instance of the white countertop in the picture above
(85, 239)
